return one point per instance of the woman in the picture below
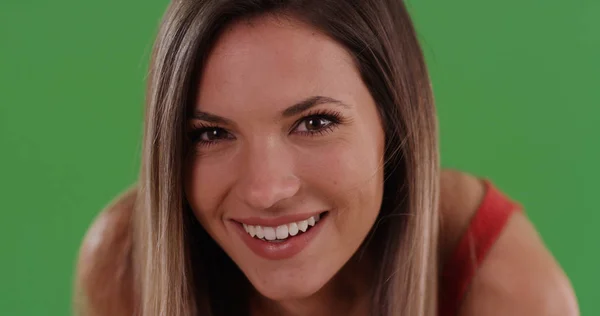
(290, 167)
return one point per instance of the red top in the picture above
(483, 231)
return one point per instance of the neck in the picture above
(347, 293)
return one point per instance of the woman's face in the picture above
(286, 173)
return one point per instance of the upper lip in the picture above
(275, 221)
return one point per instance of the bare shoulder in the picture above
(520, 276)
(104, 277)
(460, 196)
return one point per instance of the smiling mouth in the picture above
(283, 232)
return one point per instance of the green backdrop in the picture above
(517, 85)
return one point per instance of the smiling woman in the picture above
(302, 140)
(290, 167)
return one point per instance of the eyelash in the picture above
(200, 128)
(333, 117)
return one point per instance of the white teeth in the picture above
(269, 233)
(259, 232)
(282, 232)
(303, 226)
(293, 229)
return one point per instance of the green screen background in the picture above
(517, 85)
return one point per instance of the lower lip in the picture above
(283, 249)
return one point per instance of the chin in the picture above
(292, 287)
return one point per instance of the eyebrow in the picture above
(293, 110)
(310, 103)
(205, 116)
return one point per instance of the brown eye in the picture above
(312, 124)
(209, 135)
(213, 134)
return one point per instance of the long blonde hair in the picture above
(174, 268)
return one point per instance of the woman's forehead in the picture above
(270, 60)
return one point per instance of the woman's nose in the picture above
(268, 177)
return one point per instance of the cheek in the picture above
(349, 174)
(205, 186)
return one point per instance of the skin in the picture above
(267, 163)
(262, 163)
(519, 276)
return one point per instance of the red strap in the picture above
(484, 229)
